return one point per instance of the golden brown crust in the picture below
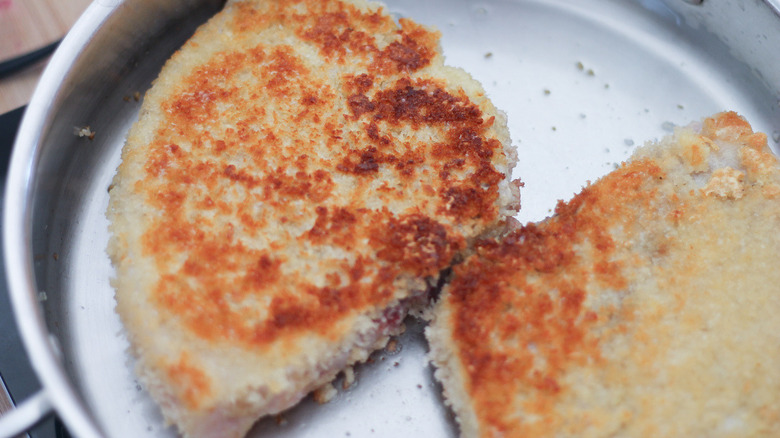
(299, 167)
(185, 183)
(549, 313)
(616, 316)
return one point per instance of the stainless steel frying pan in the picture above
(582, 81)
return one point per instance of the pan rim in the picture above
(42, 347)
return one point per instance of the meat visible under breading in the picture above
(301, 171)
(646, 306)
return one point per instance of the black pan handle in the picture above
(13, 65)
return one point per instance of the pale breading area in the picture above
(300, 172)
(646, 306)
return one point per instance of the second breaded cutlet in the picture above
(647, 306)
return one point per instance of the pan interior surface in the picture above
(582, 85)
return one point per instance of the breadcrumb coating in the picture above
(645, 306)
(300, 173)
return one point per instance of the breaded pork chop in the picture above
(647, 306)
(301, 171)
